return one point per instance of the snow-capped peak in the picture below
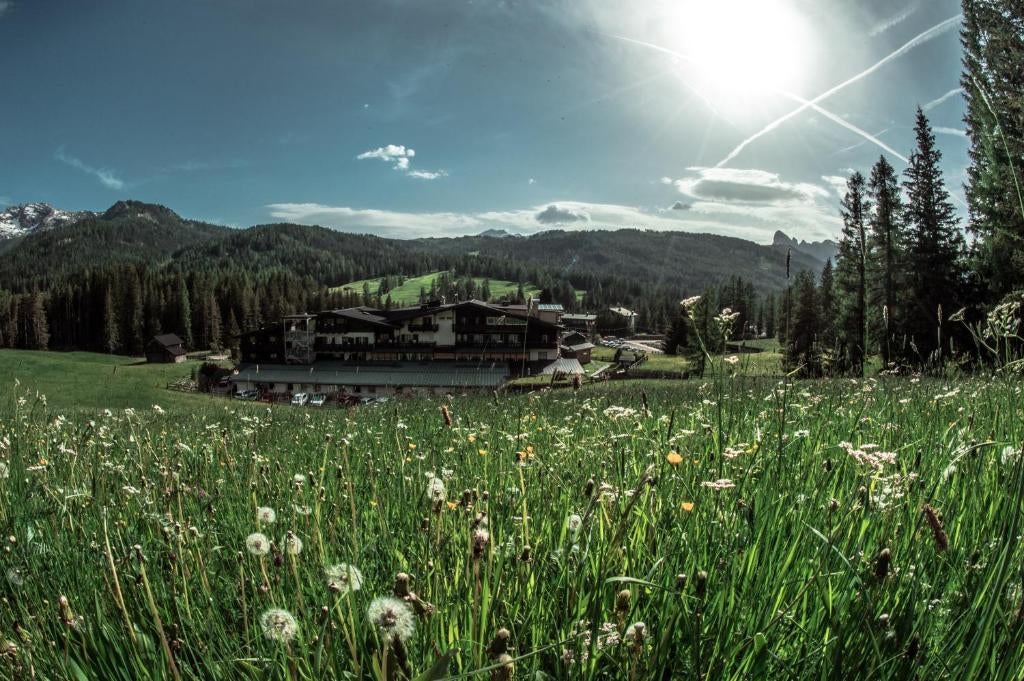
(27, 218)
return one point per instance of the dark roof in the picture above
(360, 314)
(579, 347)
(168, 340)
(422, 374)
(563, 365)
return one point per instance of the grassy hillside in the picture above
(88, 382)
(409, 292)
(756, 529)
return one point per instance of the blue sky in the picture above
(408, 118)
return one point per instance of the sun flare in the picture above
(740, 49)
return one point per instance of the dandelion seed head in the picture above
(257, 544)
(266, 515)
(292, 544)
(344, 578)
(279, 625)
(392, 617)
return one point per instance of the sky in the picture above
(407, 118)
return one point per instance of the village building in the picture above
(435, 347)
(165, 349)
(576, 346)
(584, 323)
(624, 320)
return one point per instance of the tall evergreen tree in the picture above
(827, 304)
(884, 259)
(183, 319)
(992, 35)
(935, 247)
(851, 276)
(802, 345)
(111, 339)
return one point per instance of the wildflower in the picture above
(687, 506)
(14, 577)
(302, 509)
(719, 484)
(732, 359)
(436, 489)
(689, 303)
(279, 625)
(412, 446)
(635, 634)
(392, 617)
(158, 409)
(292, 544)
(343, 578)
(299, 479)
(481, 538)
(674, 458)
(5, 472)
(574, 523)
(266, 515)
(257, 544)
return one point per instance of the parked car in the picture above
(318, 400)
(300, 399)
(248, 395)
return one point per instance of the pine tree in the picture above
(233, 342)
(992, 36)
(884, 259)
(935, 247)
(111, 340)
(183, 319)
(802, 347)
(851, 277)
(827, 304)
(135, 315)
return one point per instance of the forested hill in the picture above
(109, 281)
(686, 261)
(128, 232)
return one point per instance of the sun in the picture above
(741, 49)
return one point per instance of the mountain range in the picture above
(39, 243)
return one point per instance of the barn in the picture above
(166, 348)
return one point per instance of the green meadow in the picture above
(734, 528)
(408, 293)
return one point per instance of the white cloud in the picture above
(106, 177)
(553, 215)
(400, 156)
(531, 181)
(751, 186)
(884, 25)
(756, 222)
(762, 201)
(397, 154)
(837, 182)
(427, 174)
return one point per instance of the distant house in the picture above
(550, 312)
(624, 319)
(165, 349)
(584, 323)
(576, 346)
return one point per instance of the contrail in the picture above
(935, 102)
(846, 124)
(804, 104)
(919, 39)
